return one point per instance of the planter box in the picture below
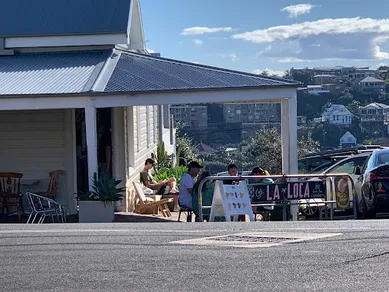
(96, 211)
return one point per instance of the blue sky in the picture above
(254, 35)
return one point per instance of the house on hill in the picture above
(371, 85)
(375, 112)
(348, 140)
(72, 71)
(337, 114)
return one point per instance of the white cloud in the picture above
(150, 51)
(290, 60)
(342, 38)
(198, 42)
(270, 71)
(298, 10)
(233, 57)
(197, 30)
(375, 67)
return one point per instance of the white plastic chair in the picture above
(43, 207)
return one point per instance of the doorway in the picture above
(104, 145)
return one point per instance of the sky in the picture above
(272, 35)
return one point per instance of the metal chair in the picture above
(187, 211)
(43, 207)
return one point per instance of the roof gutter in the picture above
(134, 93)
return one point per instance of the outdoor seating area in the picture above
(16, 199)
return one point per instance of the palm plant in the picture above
(104, 189)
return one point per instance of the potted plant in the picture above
(98, 204)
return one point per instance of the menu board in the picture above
(231, 200)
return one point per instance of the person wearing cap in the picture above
(186, 185)
(259, 171)
(164, 187)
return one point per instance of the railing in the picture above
(330, 191)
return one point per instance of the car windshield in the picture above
(382, 158)
(348, 165)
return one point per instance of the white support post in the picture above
(289, 142)
(91, 141)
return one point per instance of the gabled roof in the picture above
(21, 18)
(204, 149)
(376, 105)
(371, 79)
(136, 72)
(48, 73)
(116, 71)
(347, 135)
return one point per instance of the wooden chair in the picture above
(52, 187)
(10, 192)
(145, 204)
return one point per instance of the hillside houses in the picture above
(337, 114)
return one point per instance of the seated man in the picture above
(162, 188)
(232, 171)
(186, 185)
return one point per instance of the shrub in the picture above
(166, 173)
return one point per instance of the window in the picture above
(349, 165)
(382, 158)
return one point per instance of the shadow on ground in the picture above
(122, 218)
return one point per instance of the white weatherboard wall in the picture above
(140, 144)
(37, 142)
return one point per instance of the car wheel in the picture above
(309, 211)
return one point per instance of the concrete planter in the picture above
(96, 211)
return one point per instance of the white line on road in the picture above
(108, 230)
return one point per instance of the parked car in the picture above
(347, 165)
(372, 184)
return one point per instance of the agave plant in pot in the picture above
(98, 204)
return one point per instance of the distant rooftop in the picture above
(376, 105)
(371, 79)
(24, 18)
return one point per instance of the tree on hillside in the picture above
(345, 97)
(185, 150)
(264, 149)
(353, 107)
(307, 145)
(304, 76)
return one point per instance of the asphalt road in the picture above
(142, 257)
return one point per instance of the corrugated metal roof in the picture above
(63, 17)
(46, 73)
(135, 72)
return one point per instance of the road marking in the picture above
(256, 239)
(108, 230)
